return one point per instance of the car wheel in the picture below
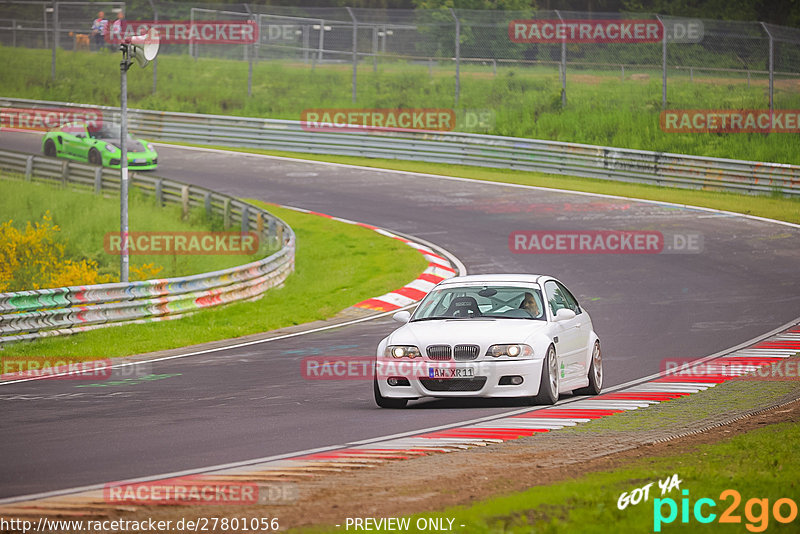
(385, 402)
(595, 373)
(94, 157)
(50, 148)
(548, 387)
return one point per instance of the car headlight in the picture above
(402, 351)
(111, 148)
(512, 350)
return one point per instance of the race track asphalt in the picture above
(253, 402)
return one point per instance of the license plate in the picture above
(450, 373)
(139, 160)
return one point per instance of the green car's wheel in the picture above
(50, 148)
(94, 157)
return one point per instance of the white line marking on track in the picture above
(459, 268)
(485, 182)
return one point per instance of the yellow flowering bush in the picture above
(145, 271)
(35, 259)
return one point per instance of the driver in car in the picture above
(529, 304)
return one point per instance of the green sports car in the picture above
(98, 145)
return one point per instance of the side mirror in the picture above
(402, 316)
(564, 314)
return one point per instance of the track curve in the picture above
(252, 402)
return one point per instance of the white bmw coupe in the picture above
(502, 335)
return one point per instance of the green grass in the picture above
(85, 218)
(337, 265)
(772, 207)
(697, 410)
(526, 101)
(759, 464)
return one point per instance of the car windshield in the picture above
(108, 131)
(488, 301)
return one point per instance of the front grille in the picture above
(453, 384)
(465, 352)
(439, 352)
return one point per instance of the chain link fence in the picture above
(459, 47)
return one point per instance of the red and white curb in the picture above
(291, 468)
(521, 423)
(439, 268)
(532, 421)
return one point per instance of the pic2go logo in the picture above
(756, 511)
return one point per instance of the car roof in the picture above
(496, 278)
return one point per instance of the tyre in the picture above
(50, 148)
(548, 387)
(595, 373)
(94, 157)
(385, 402)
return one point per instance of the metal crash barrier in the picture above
(608, 163)
(28, 315)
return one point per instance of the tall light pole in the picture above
(143, 49)
(155, 60)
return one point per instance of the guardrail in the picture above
(28, 315)
(552, 157)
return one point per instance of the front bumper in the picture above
(136, 162)
(485, 381)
